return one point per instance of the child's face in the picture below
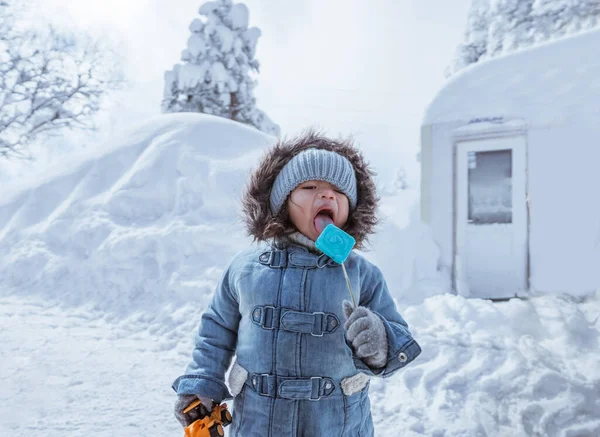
(311, 196)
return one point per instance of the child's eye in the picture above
(311, 187)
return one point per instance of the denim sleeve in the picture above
(214, 345)
(402, 347)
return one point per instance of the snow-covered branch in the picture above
(49, 81)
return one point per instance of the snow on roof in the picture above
(547, 83)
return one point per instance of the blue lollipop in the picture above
(337, 245)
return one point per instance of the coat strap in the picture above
(305, 259)
(266, 316)
(315, 324)
(275, 258)
(311, 388)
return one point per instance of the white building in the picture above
(511, 171)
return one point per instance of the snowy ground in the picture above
(106, 268)
(521, 368)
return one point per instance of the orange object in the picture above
(207, 425)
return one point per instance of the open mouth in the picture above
(323, 218)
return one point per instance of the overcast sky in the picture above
(351, 67)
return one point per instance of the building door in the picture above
(491, 249)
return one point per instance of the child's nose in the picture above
(327, 193)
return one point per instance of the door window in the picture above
(490, 187)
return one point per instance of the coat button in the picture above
(254, 381)
(334, 323)
(328, 385)
(256, 313)
(402, 357)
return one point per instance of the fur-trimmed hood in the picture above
(262, 225)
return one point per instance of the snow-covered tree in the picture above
(510, 26)
(398, 184)
(495, 27)
(49, 80)
(475, 44)
(556, 18)
(216, 76)
(551, 18)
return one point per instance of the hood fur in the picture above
(262, 225)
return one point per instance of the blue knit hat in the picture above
(314, 164)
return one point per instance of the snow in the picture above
(129, 224)
(251, 36)
(108, 263)
(239, 16)
(547, 84)
(207, 8)
(226, 37)
(196, 45)
(188, 75)
(218, 72)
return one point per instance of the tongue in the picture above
(321, 221)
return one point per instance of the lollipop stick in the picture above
(349, 286)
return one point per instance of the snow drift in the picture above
(144, 224)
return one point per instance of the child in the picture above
(279, 307)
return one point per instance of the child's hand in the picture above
(366, 332)
(183, 401)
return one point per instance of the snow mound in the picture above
(518, 368)
(548, 83)
(145, 223)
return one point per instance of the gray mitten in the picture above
(183, 401)
(366, 332)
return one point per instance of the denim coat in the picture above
(279, 311)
